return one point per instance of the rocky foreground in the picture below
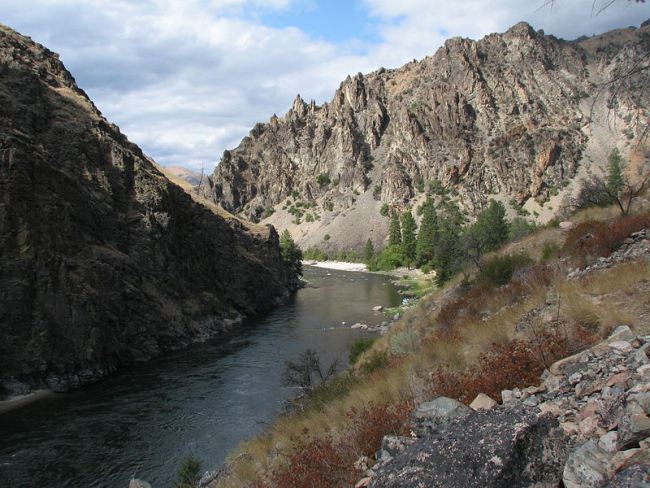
(103, 261)
(586, 425)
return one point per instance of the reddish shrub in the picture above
(327, 463)
(600, 239)
(518, 363)
(370, 425)
(317, 463)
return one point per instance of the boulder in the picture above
(586, 466)
(501, 447)
(621, 333)
(637, 476)
(634, 426)
(435, 415)
(482, 402)
(391, 445)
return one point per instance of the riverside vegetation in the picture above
(516, 308)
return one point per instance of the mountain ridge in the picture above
(508, 116)
(103, 260)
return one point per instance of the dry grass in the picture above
(469, 344)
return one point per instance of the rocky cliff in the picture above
(104, 261)
(513, 116)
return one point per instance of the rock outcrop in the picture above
(103, 261)
(507, 116)
(587, 425)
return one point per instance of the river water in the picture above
(202, 401)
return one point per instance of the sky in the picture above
(187, 79)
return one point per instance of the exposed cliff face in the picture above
(103, 261)
(506, 116)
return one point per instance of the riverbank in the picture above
(23, 400)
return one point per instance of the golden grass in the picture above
(592, 305)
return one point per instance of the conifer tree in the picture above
(408, 238)
(427, 236)
(394, 231)
(368, 252)
(291, 253)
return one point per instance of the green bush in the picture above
(329, 206)
(316, 254)
(268, 212)
(189, 473)
(384, 210)
(309, 218)
(323, 179)
(388, 259)
(359, 347)
(404, 342)
(499, 270)
(327, 237)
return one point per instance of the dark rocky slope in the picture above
(103, 261)
(509, 116)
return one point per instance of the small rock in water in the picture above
(377, 308)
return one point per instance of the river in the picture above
(202, 401)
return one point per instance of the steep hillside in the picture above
(515, 116)
(104, 261)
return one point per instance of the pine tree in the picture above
(368, 252)
(447, 249)
(427, 236)
(488, 232)
(408, 238)
(291, 253)
(394, 231)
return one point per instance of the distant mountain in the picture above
(104, 261)
(192, 177)
(516, 116)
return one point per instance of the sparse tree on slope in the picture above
(291, 253)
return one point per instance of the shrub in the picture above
(325, 393)
(388, 259)
(359, 347)
(498, 270)
(384, 210)
(328, 205)
(189, 473)
(309, 218)
(316, 254)
(550, 250)
(518, 363)
(316, 463)
(404, 342)
(377, 360)
(520, 228)
(600, 239)
(268, 211)
(323, 179)
(327, 237)
(370, 425)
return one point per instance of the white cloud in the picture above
(186, 79)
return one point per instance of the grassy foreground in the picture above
(483, 332)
